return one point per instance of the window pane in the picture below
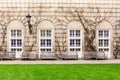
(48, 42)
(48, 50)
(106, 43)
(13, 43)
(42, 33)
(42, 50)
(100, 43)
(48, 33)
(106, 33)
(72, 33)
(72, 49)
(42, 42)
(106, 49)
(77, 33)
(78, 49)
(13, 50)
(19, 33)
(78, 43)
(19, 43)
(19, 50)
(71, 42)
(100, 49)
(13, 33)
(100, 33)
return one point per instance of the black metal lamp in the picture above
(29, 24)
(28, 17)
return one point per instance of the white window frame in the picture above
(45, 38)
(104, 38)
(80, 38)
(15, 38)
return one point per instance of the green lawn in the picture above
(60, 72)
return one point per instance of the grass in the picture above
(60, 72)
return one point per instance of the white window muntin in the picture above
(75, 43)
(45, 36)
(104, 37)
(103, 34)
(16, 33)
(45, 33)
(16, 39)
(103, 43)
(73, 35)
(16, 43)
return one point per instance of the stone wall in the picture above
(57, 14)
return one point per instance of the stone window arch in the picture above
(75, 33)
(15, 37)
(45, 33)
(104, 38)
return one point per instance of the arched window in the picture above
(104, 37)
(46, 36)
(15, 37)
(75, 34)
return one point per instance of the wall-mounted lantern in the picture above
(29, 24)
